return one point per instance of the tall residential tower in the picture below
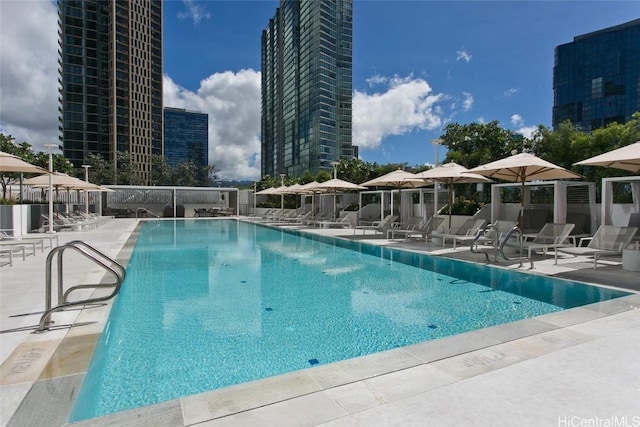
(111, 80)
(307, 86)
(186, 137)
(596, 78)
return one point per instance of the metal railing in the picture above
(94, 255)
(514, 230)
(479, 236)
(498, 244)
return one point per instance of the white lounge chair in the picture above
(9, 250)
(608, 240)
(377, 226)
(426, 229)
(403, 230)
(343, 222)
(466, 233)
(551, 236)
(7, 241)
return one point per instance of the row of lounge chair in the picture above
(475, 233)
(23, 246)
(77, 220)
(608, 240)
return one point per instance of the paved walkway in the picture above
(562, 369)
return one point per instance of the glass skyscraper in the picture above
(111, 80)
(307, 86)
(596, 78)
(186, 137)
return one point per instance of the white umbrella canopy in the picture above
(11, 163)
(280, 191)
(266, 191)
(58, 180)
(521, 168)
(451, 173)
(311, 187)
(398, 179)
(625, 158)
(335, 185)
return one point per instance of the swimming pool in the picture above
(207, 304)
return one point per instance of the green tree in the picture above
(100, 170)
(354, 170)
(323, 176)
(474, 144)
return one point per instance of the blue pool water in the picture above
(208, 304)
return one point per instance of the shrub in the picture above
(462, 206)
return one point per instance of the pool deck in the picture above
(567, 368)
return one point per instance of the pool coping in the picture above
(332, 378)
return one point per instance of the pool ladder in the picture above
(514, 230)
(499, 245)
(94, 255)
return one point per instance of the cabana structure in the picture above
(415, 202)
(610, 216)
(549, 201)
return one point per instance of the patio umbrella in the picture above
(293, 189)
(14, 164)
(272, 191)
(626, 158)
(451, 173)
(11, 163)
(310, 188)
(399, 179)
(521, 168)
(59, 180)
(335, 185)
(266, 191)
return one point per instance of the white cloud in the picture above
(407, 104)
(527, 131)
(194, 11)
(468, 101)
(517, 120)
(232, 101)
(511, 91)
(463, 55)
(28, 72)
(376, 80)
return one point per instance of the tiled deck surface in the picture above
(566, 368)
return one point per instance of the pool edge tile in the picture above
(247, 396)
(160, 414)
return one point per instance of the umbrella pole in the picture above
(450, 203)
(521, 221)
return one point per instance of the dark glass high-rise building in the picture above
(186, 137)
(307, 86)
(111, 80)
(596, 78)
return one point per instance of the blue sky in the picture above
(417, 66)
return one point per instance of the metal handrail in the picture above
(147, 211)
(482, 232)
(517, 230)
(91, 253)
